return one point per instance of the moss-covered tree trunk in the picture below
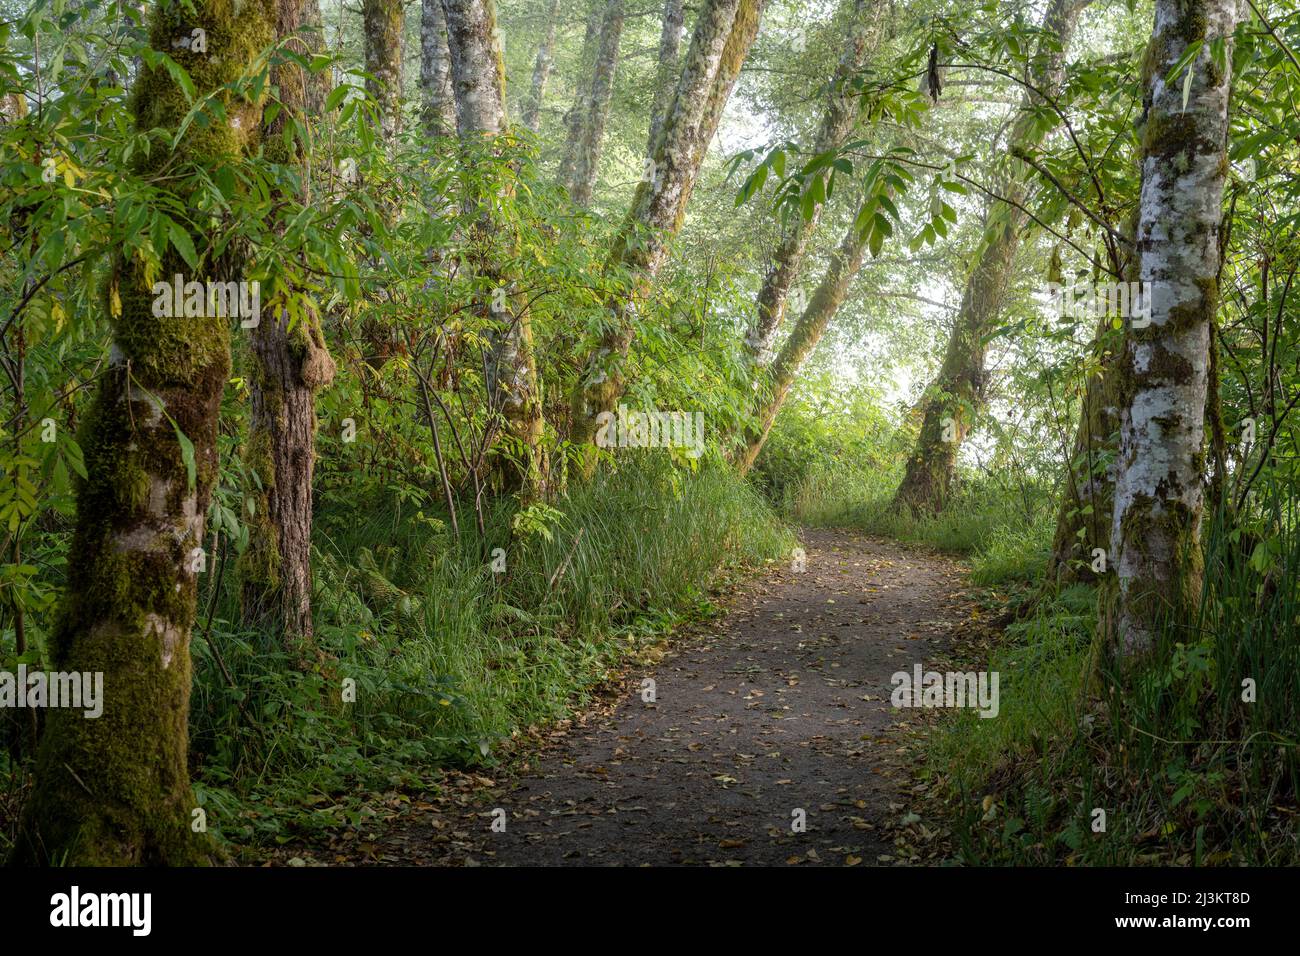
(670, 41)
(437, 105)
(862, 17)
(289, 365)
(1164, 368)
(1083, 518)
(807, 332)
(658, 206)
(532, 112)
(115, 789)
(1088, 492)
(957, 392)
(587, 159)
(381, 25)
(512, 384)
(743, 33)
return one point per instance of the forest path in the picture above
(783, 705)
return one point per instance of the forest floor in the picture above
(780, 705)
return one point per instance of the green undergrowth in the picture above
(455, 647)
(1004, 529)
(1191, 756)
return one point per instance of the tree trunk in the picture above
(288, 367)
(670, 40)
(541, 70)
(115, 790)
(512, 383)
(319, 83)
(836, 124)
(1083, 519)
(958, 391)
(658, 205)
(437, 105)
(478, 75)
(743, 32)
(586, 162)
(382, 28)
(1155, 534)
(576, 119)
(1088, 496)
(803, 338)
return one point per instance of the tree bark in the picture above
(587, 160)
(382, 28)
(670, 40)
(115, 790)
(512, 383)
(1088, 496)
(532, 114)
(743, 33)
(952, 398)
(288, 368)
(658, 205)
(575, 120)
(1155, 531)
(837, 123)
(478, 74)
(437, 104)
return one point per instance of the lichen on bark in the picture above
(1159, 495)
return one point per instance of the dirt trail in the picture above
(783, 707)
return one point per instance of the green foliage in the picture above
(451, 659)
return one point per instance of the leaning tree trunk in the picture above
(587, 160)
(959, 388)
(743, 33)
(532, 113)
(382, 28)
(836, 124)
(115, 790)
(437, 105)
(658, 207)
(512, 383)
(288, 367)
(670, 40)
(803, 338)
(1155, 534)
(956, 393)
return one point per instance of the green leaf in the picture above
(187, 456)
(184, 245)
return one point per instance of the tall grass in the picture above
(1186, 769)
(450, 657)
